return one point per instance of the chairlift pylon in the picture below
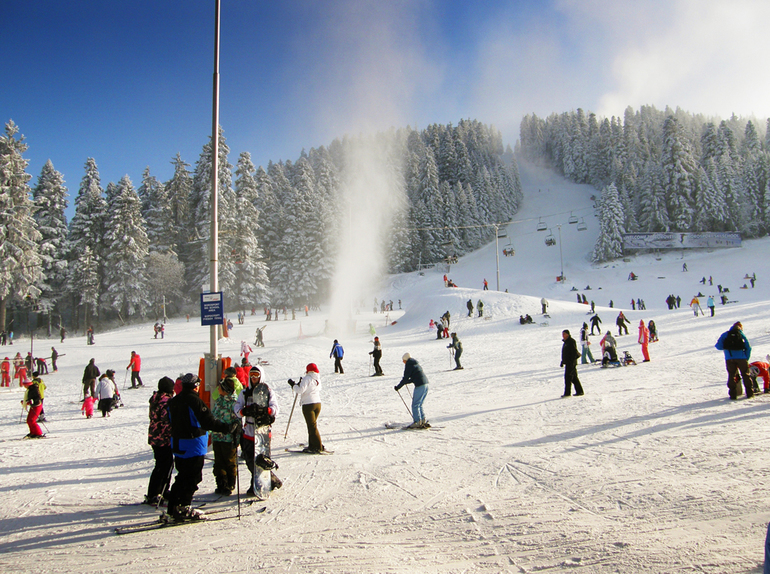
(541, 225)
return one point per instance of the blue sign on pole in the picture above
(212, 308)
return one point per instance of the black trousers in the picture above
(189, 474)
(136, 379)
(377, 368)
(571, 378)
(338, 366)
(161, 474)
(311, 412)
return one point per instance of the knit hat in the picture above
(166, 385)
(312, 367)
(227, 386)
(230, 371)
(376, 338)
(190, 380)
(737, 325)
(406, 357)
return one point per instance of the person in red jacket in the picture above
(135, 364)
(760, 369)
(5, 368)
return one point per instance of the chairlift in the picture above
(572, 219)
(508, 249)
(541, 226)
(582, 226)
(550, 240)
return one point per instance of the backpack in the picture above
(733, 341)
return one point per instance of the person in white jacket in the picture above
(309, 391)
(105, 390)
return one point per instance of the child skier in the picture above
(224, 444)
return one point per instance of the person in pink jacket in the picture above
(644, 340)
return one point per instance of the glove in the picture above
(250, 410)
(561, 364)
(396, 388)
(292, 383)
(263, 419)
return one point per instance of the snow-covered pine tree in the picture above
(178, 190)
(87, 229)
(197, 258)
(50, 198)
(19, 236)
(158, 217)
(84, 281)
(126, 248)
(680, 171)
(609, 245)
(251, 287)
(165, 282)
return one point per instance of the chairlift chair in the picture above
(582, 226)
(550, 240)
(541, 225)
(572, 219)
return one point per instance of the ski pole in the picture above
(124, 380)
(21, 416)
(46, 428)
(290, 415)
(237, 476)
(370, 365)
(403, 401)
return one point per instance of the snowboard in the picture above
(262, 480)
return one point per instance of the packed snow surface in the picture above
(653, 470)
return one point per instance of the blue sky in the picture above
(130, 83)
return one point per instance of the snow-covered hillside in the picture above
(653, 470)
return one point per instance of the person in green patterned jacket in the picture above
(225, 450)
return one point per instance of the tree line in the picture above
(129, 249)
(666, 170)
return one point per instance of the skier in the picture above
(337, 352)
(34, 400)
(224, 446)
(372, 330)
(622, 322)
(595, 323)
(586, 346)
(486, 285)
(695, 306)
(569, 357)
(458, 350)
(376, 354)
(5, 370)
(254, 417)
(480, 307)
(159, 438)
(62, 334)
(190, 419)
(135, 364)
(308, 389)
(105, 390)
(259, 341)
(414, 374)
(90, 335)
(737, 352)
(89, 379)
(445, 318)
(710, 304)
(469, 305)
(644, 339)
(245, 350)
(544, 305)
(439, 329)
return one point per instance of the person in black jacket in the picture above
(414, 374)
(569, 357)
(90, 374)
(458, 349)
(376, 354)
(190, 419)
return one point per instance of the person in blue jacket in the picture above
(337, 353)
(190, 419)
(737, 352)
(413, 374)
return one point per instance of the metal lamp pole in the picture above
(561, 259)
(212, 374)
(497, 255)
